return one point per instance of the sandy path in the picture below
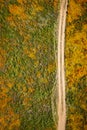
(61, 71)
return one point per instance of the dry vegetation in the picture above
(27, 64)
(76, 65)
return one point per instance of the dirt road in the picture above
(61, 69)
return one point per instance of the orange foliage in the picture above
(10, 84)
(85, 127)
(2, 62)
(11, 21)
(16, 10)
(82, 1)
(2, 58)
(20, 1)
(55, 4)
(4, 102)
(8, 118)
(8, 115)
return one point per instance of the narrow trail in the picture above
(61, 69)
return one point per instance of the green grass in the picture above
(20, 67)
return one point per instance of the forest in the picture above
(76, 65)
(28, 64)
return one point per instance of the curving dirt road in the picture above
(61, 71)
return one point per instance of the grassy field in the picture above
(27, 68)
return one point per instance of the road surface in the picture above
(61, 69)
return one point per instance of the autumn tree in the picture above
(75, 62)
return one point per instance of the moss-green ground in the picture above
(27, 68)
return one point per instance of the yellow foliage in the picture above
(26, 51)
(74, 10)
(20, 1)
(55, 4)
(75, 54)
(30, 81)
(1, 81)
(10, 84)
(24, 89)
(75, 121)
(4, 89)
(36, 63)
(75, 61)
(31, 53)
(3, 123)
(69, 29)
(51, 67)
(85, 127)
(2, 58)
(85, 27)
(38, 74)
(30, 90)
(24, 16)
(82, 1)
(15, 121)
(36, 8)
(2, 120)
(26, 101)
(84, 106)
(19, 86)
(2, 62)
(9, 116)
(11, 21)
(16, 10)
(44, 80)
(26, 38)
(4, 101)
(1, 4)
